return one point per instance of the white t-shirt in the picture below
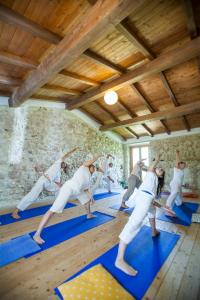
(178, 177)
(81, 179)
(54, 172)
(149, 183)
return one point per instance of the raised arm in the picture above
(177, 158)
(154, 163)
(91, 161)
(69, 153)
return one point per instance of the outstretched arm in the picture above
(91, 161)
(69, 153)
(154, 164)
(177, 158)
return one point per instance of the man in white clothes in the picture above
(108, 178)
(79, 187)
(144, 200)
(176, 183)
(50, 181)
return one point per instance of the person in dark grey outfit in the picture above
(134, 181)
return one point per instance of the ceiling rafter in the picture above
(106, 12)
(113, 117)
(127, 31)
(165, 61)
(174, 112)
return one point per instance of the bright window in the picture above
(139, 153)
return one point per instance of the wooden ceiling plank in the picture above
(90, 27)
(155, 116)
(61, 89)
(14, 18)
(11, 59)
(90, 115)
(164, 61)
(80, 78)
(10, 80)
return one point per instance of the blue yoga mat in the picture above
(104, 195)
(145, 254)
(17, 248)
(58, 233)
(118, 207)
(183, 212)
(28, 213)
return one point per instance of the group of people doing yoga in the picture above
(79, 187)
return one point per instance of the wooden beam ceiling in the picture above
(10, 81)
(14, 18)
(155, 116)
(165, 61)
(98, 18)
(126, 30)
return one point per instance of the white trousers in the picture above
(66, 193)
(108, 184)
(175, 195)
(143, 206)
(34, 193)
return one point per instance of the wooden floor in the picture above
(36, 277)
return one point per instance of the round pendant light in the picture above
(110, 97)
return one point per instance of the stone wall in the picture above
(189, 147)
(48, 133)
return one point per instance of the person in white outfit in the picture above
(108, 173)
(143, 205)
(50, 181)
(176, 183)
(134, 181)
(79, 187)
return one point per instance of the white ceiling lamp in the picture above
(110, 97)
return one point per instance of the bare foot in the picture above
(91, 216)
(169, 212)
(155, 233)
(124, 267)
(38, 239)
(123, 205)
(15, 215)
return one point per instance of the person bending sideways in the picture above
(176, 184)
(49, 181)
(79, 187)
(108, 178)
(134, 181)
(143, 205)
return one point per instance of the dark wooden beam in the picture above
(132, 132)
(90, 27)
(160, 115)
(190, 14)
(164, 61)
(150, 132)
(104, 62)
(113, 117)
(9, 58)
(126, 30)
(14, 18)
